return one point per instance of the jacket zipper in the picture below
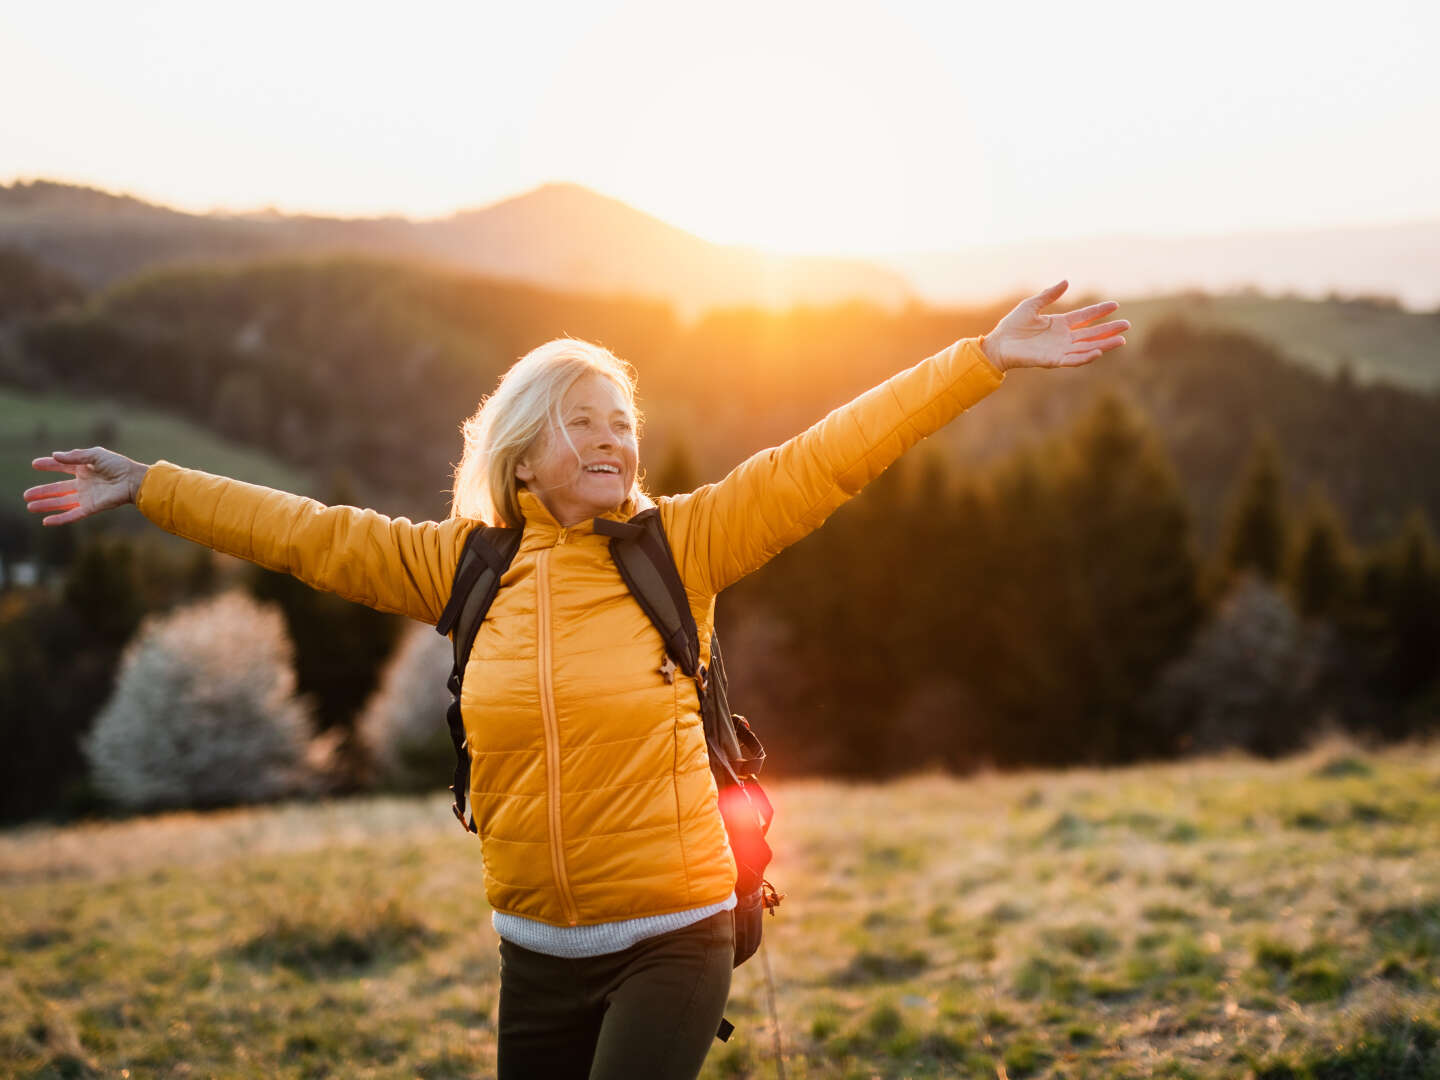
(552, 733)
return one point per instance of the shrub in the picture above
(1249, 678)
(204, 711)
(403, 725)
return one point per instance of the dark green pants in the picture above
(651, 1010)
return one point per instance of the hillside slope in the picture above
(559, 235)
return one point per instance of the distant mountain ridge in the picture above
(1396, 261)
(558, 235)
(567, 237)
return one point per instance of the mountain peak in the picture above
(564, 197)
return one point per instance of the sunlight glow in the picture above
(791, 124)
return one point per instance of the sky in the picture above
(802, 127)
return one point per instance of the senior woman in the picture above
(605, 858)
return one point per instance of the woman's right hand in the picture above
(100, 480)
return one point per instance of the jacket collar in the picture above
(542, 530)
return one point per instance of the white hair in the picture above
(509, 421)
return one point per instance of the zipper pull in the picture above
(564, 533)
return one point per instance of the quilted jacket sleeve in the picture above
(388, 564)
(723, 531)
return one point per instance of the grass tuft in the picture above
(1411, 929)
(1026, 1056)
(38, 937)
(894, 965)
(304, 944)
(1398, 1048)
(1342, 765)
(1083, 939)
(1068, 830)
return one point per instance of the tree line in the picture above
(1054, 609)
(1198, 545)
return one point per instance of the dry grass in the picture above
(1219, 918)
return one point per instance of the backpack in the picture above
(642, 555)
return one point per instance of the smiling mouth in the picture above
(604, 470)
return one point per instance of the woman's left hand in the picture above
(1026, 338)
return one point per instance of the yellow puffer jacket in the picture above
(589, 779)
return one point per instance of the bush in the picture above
(403, 726)
(1249, 679)
(204, 711)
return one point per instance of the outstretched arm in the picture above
(388, 564)
(723, 531)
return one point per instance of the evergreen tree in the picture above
(340, 647)
(1133, 576)
(1254, 534)
(100, 587)
(200, 577)
(1026, 595)
(1320, 570)
(1412, 611)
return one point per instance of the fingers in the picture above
(1084, 354)
(61, 501)
(1094, 333)
(66, 460)
(1086, 315)
(1050, 295)
(44, 491)
(64, 519)
(66, 501)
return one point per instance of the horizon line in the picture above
(271, 210)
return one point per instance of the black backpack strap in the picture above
(642, 554)
(643, 557)
(488, 551)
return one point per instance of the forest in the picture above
(1200, 543)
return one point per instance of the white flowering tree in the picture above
(403, 726)
(204, 711)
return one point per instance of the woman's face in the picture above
(588, 466)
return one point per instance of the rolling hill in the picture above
(562, 236)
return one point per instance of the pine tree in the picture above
(1027, 680)
(340, 646)
(1254, 535)
(1133, 575)
(1320, 570)
(101, 588)
(1413, 610)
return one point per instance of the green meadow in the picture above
(1215, 918)
(33, 424)
(1377, 340)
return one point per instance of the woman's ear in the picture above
(523, 472)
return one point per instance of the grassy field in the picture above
(1207, 919)
(35, 424)
(1380, 343)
